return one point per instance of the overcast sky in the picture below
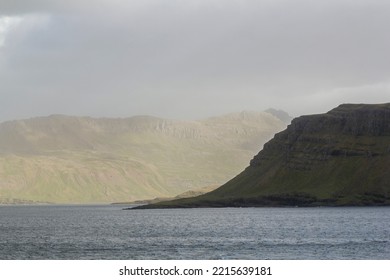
(190, 59)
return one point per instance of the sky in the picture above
(191, 59)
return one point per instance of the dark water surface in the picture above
(107, 232)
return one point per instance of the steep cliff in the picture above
(338, 158)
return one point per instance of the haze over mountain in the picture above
(338, 158)
(64, 159)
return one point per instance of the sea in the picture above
(104, 232)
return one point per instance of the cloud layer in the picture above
(190, 59)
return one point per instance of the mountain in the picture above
(64, 159)
(338, 158)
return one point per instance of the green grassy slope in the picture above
(61, 159)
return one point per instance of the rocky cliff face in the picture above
(346, 131)
(338, 158)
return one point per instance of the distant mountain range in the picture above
(65, 159)
(333, 159)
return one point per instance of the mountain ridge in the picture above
(66, 159)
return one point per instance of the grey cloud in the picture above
(192, 58)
